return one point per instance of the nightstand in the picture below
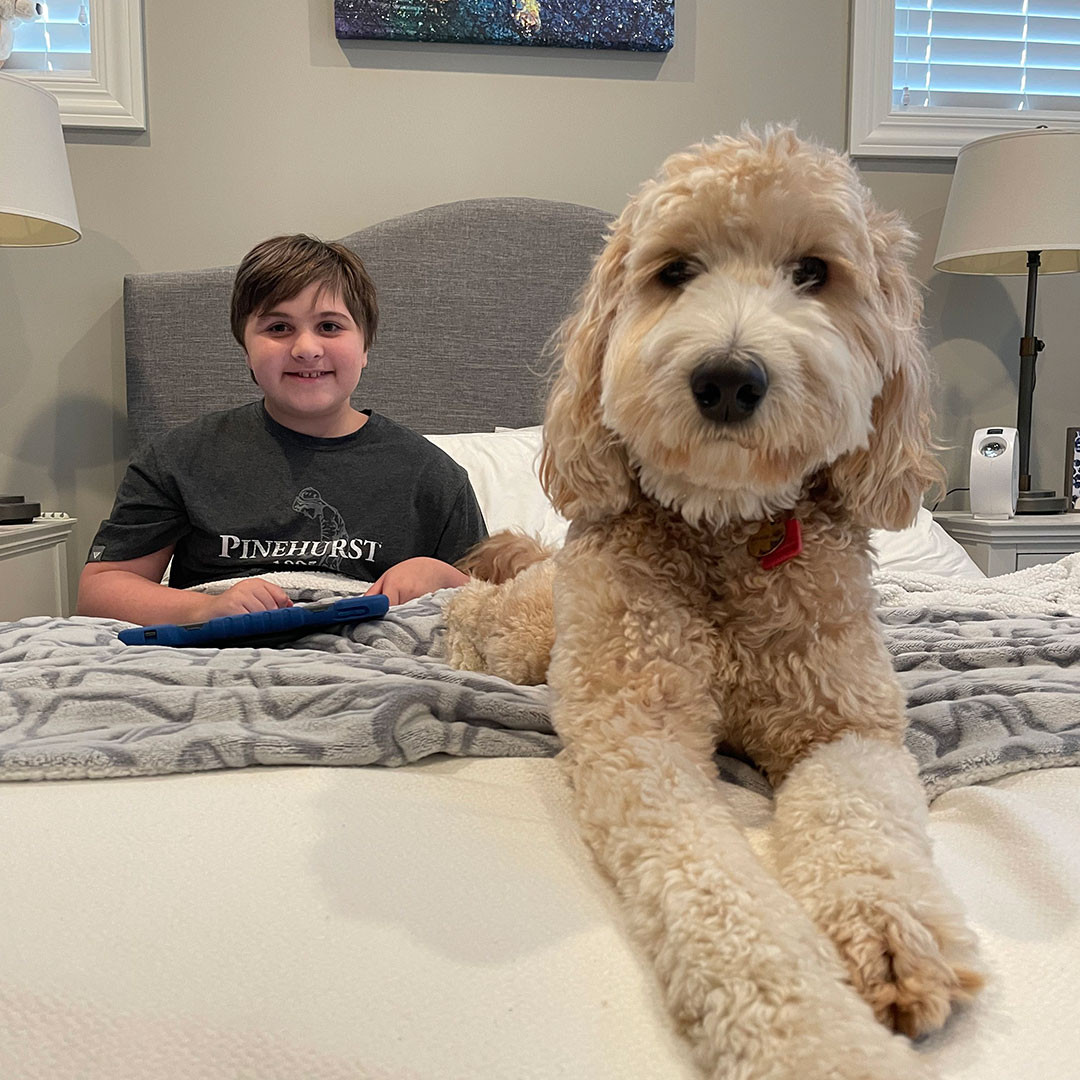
(34, 568)
(1000, 547)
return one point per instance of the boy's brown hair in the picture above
(279, 268)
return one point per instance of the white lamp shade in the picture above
(1012, 194)
(37, 205)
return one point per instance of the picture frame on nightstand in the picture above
(1072, 470)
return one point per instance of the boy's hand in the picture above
(414, 577)
(251, 594)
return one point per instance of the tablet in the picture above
(257, 628)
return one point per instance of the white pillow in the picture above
(502, 468)
(923, 548)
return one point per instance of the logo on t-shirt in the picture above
(333, 546)
(331, 524)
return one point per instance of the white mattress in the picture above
(434, 922)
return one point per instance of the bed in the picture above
(341, 859)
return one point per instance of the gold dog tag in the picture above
(767, 539)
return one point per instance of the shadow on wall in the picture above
(61, 415)
(75, 434)
(61, 310)
(78, 438)
(973, 332)
(978, 310)
(73, 442)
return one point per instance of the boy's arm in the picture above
(132, 591)
(149, 506)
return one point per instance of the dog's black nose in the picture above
(727, 391)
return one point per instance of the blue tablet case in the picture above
(258, 628)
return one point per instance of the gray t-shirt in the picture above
(240, 496)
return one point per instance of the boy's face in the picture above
(307, 355)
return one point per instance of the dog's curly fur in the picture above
(668, 636)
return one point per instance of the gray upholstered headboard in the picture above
(469, 294)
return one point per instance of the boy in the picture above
(298, 480)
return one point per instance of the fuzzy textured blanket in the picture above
(75, 702)
(989, 692)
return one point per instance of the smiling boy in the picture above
(300, 480)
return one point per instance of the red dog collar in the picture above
(776, 542)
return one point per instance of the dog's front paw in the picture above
(910, 956)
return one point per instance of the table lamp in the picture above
(1014, 208)
(37, 204)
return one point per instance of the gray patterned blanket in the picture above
(988, 694)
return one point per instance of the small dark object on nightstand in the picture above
(15, 510)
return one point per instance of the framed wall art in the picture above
(638, 25)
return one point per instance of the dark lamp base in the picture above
(1039, 502)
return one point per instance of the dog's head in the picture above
(750, 323)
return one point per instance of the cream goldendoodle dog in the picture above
(742, 398)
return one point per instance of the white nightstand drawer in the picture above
(1026, 559)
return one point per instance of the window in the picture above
(88, 55)
(58, 41)
(928, 76)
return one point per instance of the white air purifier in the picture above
(995, 473)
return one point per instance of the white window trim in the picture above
(113, 94)
(875, 129)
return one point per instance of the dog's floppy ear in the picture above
(883, 485)
(583, 465)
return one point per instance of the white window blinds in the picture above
(58, 41)
(1009, 55)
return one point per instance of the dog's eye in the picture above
(676, 273)
(810, 272)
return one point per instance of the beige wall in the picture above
(260, 121)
